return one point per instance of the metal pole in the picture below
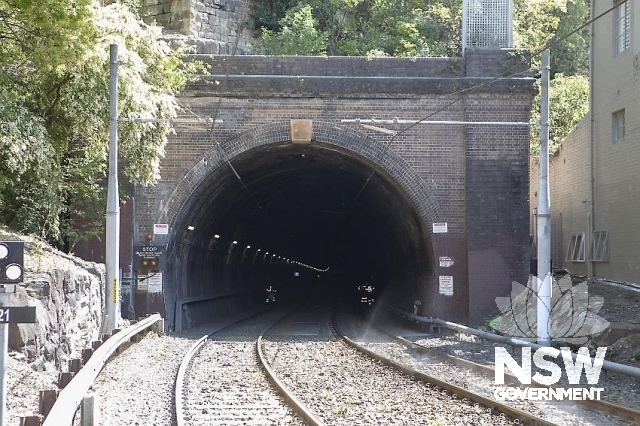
(113, 203)
(4, 342)
(134, 276)
(465, 25)
(544, 213)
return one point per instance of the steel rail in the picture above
(287, 395)
(600, 405)
(179, 383)
(291, 399)
(178, 388)
(514, 413)
(614, 367)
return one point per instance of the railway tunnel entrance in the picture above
(439, 213)
(299, 217)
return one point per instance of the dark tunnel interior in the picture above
(305, 218)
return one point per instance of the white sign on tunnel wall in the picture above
(155, 283)
(440, 228)
(151, 283)
(160, 228)
(446, 285)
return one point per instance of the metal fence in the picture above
(487, 24)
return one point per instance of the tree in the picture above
(569, 100)
(365, 27)
(547, 24)
(298, 35)
(54, 74)
(570, 48)
(432, 28)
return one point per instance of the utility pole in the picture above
(544, 213)
(112, 249)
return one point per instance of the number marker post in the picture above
(11, 273)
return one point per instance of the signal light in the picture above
(148, 264)
(11, 262)
(148, 259)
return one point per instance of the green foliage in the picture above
(536, 22)
(54, 110)
(54, 74)
(546, 23)
(298, 35)
(364, 27)
(432, 28)
(570, 53)
(569, 103)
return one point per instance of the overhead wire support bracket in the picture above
(172, 120)
(363, 123)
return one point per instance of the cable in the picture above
(552, 42)
(216, 111)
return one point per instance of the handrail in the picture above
(71, 396)
(624, 369)
(185, 301)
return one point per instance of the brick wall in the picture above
(473, 177)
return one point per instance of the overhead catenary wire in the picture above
(460, 96)
(412, 123)
(216, 111)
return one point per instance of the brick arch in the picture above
(345, 137)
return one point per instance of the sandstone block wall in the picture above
(211, 26)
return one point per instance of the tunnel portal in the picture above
(313, 160)
(299, 217)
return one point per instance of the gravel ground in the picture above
(22, 386)
(559, 412)
(138, 382)
(135, 387)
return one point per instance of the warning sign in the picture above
(440, 228)
(160, 228)
(446, 262)
(155, 283)
(445, 285)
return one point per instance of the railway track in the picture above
(321, 379)
(324, 379)
(476, 381)
(343, 386)
(221, 379)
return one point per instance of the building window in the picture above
(618, 126)
(575, 253)
(622, 27)
(600, 246)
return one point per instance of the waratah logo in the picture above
(573, 314)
